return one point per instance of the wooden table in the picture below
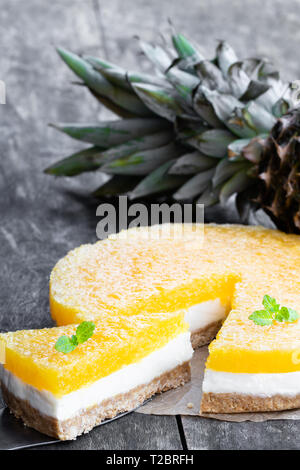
(43, 218)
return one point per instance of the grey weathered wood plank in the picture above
(132, 432)
(203, 434)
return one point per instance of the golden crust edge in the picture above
(228, 403)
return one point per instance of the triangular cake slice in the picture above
(252, 367)
(117, 369)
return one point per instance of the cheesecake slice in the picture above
(252, 367)
(118, 368)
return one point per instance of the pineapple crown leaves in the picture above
(198, 128)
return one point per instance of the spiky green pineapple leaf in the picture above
(254, 149)
(184, 83)
(86, 160)
(210, 196)
(160, 101)
(236, 147)
(142, 163)
(92, 158)
(267, 71)
(241, 124)
(226, 56)
(123, 78)
(116, 185)
(95, 81)
(205, 110)
(191, 163)
(114, 74)
(185, 48)
(250, 120)
(212, 77)
(157, 55)
(237, 183)
(280, 107)
(188, 54)
(186, 129)
(138, 77)
(254, 90)
(111, 133)
(276, 92)
(238, 79)
(139, 144)
(113, 107)
(158, 181)
(226, 169)
(213, 142)
(263, 121)
(223, 103)
(101, 64)
(251, 67)
(194, 186)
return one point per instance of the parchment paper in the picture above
(179, 401)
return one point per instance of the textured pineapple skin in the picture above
(131, 273)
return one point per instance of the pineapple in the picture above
(198, 130)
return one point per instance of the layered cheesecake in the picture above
(118, 368)
(208, 280)
(220, 274)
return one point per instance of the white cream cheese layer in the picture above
(175, 353)
(201, 315)
(260, 385)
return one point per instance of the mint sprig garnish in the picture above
(65, 344)
(84, 331)
(273, 312)
(270, 304)
(287, 314)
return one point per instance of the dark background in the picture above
(42, 218)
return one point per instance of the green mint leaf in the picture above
(65, 345)
(84, 331)
(286, 314)
(293, 315)
(282, 315)
(261, 317)
(270, 304)
(73, 340)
